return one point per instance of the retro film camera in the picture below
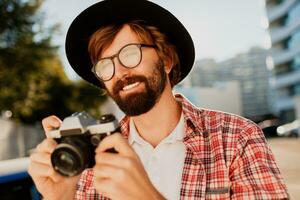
(77, 138)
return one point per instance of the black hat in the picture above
(120, 11)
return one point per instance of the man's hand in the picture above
(49, 183)
(121, 175)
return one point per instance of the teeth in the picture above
(128, 87)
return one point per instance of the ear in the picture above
(168, 65)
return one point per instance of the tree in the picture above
(33, 83)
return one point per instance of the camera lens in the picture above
(67, 160)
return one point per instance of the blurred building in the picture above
(18, 139)
(283, 17)
(222, 96)
(249, 69)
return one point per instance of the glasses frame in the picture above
(139, 45)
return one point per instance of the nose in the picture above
(120, 70)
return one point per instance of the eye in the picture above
(130, 55)
(104, 68)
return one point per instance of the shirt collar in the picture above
(192, 115)
(176, 135)
(134, 135)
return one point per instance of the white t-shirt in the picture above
(164, 163)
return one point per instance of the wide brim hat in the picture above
(117, 12)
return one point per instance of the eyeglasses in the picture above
(129, 56)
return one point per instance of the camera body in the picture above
(77, 138)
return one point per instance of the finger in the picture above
(39, 170)
(47, 146)
(117, 142)
(105, 171)
(43, 158)
(111, 159)
(56, 177)
(50, 123)
(36, 169)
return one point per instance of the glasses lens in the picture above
(104, 69)
(130, 56)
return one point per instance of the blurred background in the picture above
(247, 63)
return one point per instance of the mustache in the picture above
(127, 81)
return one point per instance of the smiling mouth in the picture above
(130, 86)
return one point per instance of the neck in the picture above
(160, 121)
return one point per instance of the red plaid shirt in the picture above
(226, 157)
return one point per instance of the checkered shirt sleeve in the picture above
(253, 171)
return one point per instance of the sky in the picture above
(220, 29)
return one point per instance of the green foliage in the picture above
(33, 83)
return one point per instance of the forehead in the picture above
(123, 37)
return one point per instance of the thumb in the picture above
(50, 123)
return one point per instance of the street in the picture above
(287, 155)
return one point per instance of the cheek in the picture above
(147, 65)
(108, 85)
